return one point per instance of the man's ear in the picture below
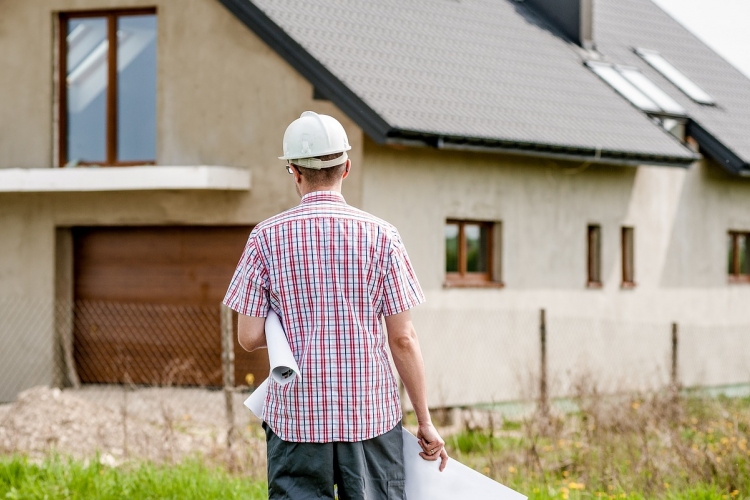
(297, 174)
(347, 168)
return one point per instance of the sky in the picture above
(721, 24)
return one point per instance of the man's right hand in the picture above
(433, 446)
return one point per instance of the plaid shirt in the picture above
(330, 271)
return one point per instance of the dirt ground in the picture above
(120, 424)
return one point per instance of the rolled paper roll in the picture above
(284, 367)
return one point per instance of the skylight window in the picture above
(614, 78)
(674, 75)
(637, 88)
(642, 83)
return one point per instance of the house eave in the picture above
(538, 150)
(717, 150)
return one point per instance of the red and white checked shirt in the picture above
(330, 271)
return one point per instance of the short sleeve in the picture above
(401, 287)
(248, 290)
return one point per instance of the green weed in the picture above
(58, 478)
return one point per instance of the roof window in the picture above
(637, 88)
(674, 75)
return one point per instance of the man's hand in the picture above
(433, 446)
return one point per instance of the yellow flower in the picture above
(734, 493)
(636, 405)
(566, 473)
(576, 486)
(486, 470)
(666, 485)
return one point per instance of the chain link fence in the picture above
(165, 381)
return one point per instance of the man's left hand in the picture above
(433, 446)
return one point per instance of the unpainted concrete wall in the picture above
(619, 336)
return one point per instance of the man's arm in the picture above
(251, 332)
(402, 339)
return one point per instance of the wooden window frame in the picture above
(111, 114)
(736, 276)
(594, 257)
(463, 278)
(627, 257)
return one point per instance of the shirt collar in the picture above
(321, 196)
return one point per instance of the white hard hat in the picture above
(313, 135)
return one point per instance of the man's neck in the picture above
(309, 189)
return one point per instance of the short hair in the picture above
(324, 176)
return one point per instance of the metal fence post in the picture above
(674, 374)
(543, 396)
(227, 359)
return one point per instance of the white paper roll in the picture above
(284, 367)
(257, 399)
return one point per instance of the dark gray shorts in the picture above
(362, 470)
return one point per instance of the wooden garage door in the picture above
(147, 305)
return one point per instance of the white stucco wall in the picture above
(619, 337)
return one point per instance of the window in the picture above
(682, 82)
(661, 98)
(108, 88)
(469, 250)
(594, 244)
(739, 256)
(628, 257)
(637, 88)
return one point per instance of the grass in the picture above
(58, 478)
(658, 446)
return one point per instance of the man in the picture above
(331, 271)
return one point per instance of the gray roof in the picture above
(492, 72)
(623, 24)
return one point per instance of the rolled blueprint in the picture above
(284, 367)
(424, 480)
(257, 399)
